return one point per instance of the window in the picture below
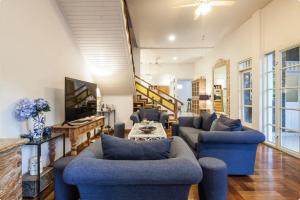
(290, 103)
(246, 90)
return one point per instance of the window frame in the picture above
(245, 66)
(278, 91)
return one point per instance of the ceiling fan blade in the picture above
(221, 3)
(187, 5)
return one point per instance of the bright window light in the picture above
(179, 87)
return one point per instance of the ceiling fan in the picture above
(203, 7)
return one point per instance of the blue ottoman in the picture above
(214, 183)
(119, 130)
(62, 190)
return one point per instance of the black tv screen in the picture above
(80, 99)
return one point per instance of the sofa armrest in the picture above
(231, 137)
(186, 121)
(175, 129)
(135, 117)
(164, 117)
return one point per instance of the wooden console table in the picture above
(10, 169)
(73, 132)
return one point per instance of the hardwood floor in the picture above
(277, 177)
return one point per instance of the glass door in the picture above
(269, 97)
(290, 100)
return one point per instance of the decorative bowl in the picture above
(147, 129)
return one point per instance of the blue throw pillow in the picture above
(197, 122)
(234, 124)
(207, 120)
(217, 125)
(122, 149)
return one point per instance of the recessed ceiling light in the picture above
(174, 58)
(172, 38)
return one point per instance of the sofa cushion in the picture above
(149, 114)
(190, 135)
(217, 125)
(122, 149)
(197, 122)
(207, 120)
(234, 124)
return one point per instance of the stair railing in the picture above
(164, 100)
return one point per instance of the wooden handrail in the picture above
(161, 99)
(155, 94)
(176, 100)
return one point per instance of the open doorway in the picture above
(184, 92)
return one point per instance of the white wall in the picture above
(36, 53)
(123, 106)
(162, 73)
(276, 26)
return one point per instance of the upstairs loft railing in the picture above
(159, 96)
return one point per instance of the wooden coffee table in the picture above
(137, 135)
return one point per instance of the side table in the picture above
(38, 143)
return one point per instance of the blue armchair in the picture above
(151, 115)
(236, 148)
(168, 179)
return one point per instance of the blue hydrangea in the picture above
(42, 105)
(24, 109)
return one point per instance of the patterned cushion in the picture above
(217, 125)
(234, 124)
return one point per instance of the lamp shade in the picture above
(203, 97)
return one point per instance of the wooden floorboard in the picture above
(277, 177)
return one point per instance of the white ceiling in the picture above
(154, 20)
(157, 56)
(99, 30)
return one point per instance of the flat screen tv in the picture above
(80, 99)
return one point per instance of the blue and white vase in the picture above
(38, 126)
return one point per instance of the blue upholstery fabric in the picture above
(197, 122)
(121, 149)
(234, 124)
(119, 130)
(135, 117)
(186, 121)
(124, 179)
(175, 129)
(237, 149)
(207, 120)
(214, 183)
(63, 191)
(164, 118)
(151, 115)
(190, 135)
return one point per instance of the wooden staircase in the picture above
(148, 96)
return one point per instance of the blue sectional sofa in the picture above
(168, 179)
(236, 148)
(150, 114)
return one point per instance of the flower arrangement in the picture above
(27, 109)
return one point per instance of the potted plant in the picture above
(33, 109)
